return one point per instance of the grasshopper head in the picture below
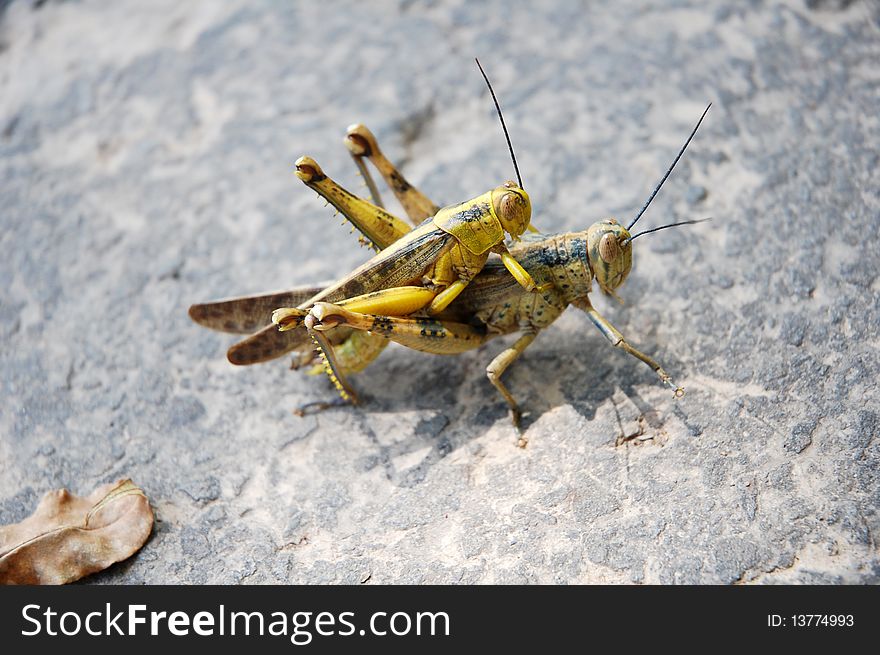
(610, 253)
(512, 207)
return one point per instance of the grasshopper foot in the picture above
(320, 405)
(677, 391)
(516, 417)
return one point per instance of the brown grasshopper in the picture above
(494, 303)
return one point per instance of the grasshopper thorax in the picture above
(479, 224)
(610, 252)
(512, 207)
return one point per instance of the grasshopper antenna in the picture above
(663, 227)
(669, 170)
(503, 126)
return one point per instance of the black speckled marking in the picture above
(382, 325)
(431, 329)
(398, 183)
(474, 213)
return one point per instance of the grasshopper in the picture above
(429, 266)
(563, 266)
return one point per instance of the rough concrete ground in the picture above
(146, 157)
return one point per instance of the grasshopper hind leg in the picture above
(339, 355)
(331, 366)
(362, 144)
(375, 196)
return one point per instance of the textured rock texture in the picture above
(146, 157)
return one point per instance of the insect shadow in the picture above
(431, 385)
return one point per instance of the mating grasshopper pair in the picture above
(434, 288)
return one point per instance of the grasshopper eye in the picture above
(513, 208)
(609, 248)
(510, 205)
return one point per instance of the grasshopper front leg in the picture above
(619, 341)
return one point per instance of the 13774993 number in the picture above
(821, 620)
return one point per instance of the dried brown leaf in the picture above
(69, 537)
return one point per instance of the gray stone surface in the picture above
(145, 164)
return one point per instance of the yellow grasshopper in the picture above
(429, 266)
(423, 268)
(493, 304)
